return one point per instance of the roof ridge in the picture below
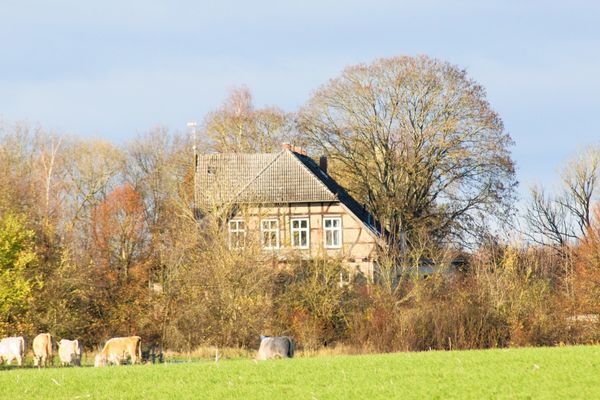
(311, 172)
(341, 195)
(251, 181)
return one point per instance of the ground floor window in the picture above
(332, 227)
(269, 229)
(237, 234)
(300, 233)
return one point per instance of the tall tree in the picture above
(119, 230)
(17, 165)
(158, 166)
(91, 172)
(415, 139)
(18, 279)
(238, 127)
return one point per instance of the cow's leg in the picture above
(19, 361)
(133, 356)
(114, 359)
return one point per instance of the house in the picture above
(290, 203)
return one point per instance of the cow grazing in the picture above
(12, 348)
(42, 350)
(275, 347)
(116, 350)
(70, 352)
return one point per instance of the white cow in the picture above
(70, 352)
(275, 347)
(42, 350)
(12, 348)
(116, 350)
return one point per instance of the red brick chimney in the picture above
(286, 146)
(295, 149)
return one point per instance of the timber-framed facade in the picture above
(290, 203)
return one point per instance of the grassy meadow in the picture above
(565, 372)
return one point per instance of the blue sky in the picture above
(113, 69)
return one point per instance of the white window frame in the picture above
(269, 230)
(237, 227)
(300, 230)
(333, 229)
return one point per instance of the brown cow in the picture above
(116, 350)
(42, 350)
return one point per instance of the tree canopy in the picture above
(17, 274)
(238, 127)
(415, 139)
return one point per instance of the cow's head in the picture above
(100, 360)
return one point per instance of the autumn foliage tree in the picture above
(119, 230)
(587, 281)
(120, 237)
(18, 277)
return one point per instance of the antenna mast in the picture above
(192, 129)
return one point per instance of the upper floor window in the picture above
(269, 229)
(332, 227)
(237, 234)
(300, 233)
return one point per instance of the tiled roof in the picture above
(273, 178)
(341, 193)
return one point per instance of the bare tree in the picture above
(240, 128)
(415, 139)
(580, 179)
(49, 147)
(560, 219)
(91, 172)
(547, 220)
(158, 165)
(17, 165)
(564, 219)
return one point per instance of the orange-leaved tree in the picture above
(120, 238)
(587, 270)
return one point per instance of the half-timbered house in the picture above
(291, 203)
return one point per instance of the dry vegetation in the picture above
(98, 240)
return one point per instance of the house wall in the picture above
(358, 243)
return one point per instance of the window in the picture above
(237, 234)
(269, 230)
(300, 233)
(332, 226)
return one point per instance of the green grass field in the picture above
(563, 373)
